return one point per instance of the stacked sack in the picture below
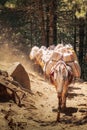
(70, 58)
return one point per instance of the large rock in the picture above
(19, 74)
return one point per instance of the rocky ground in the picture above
(38, 110)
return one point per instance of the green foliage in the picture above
(80, 7)
(13, 3)
(10, 4)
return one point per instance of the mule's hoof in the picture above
(58, 119)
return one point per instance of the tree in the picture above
(2, 2)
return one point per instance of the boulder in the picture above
(19, 74)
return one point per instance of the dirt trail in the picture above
(38, 111)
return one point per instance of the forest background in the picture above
(25, 23)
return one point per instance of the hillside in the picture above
(38, 110)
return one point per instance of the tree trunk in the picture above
(51, 24)
(47, 25)
(86, 35)
(31, 24)
(75, 33)
(85, 51)
(81, 40)
(43, 31)
(55, 22)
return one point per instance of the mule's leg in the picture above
(63, 105)
(59, 107)
(64, 94)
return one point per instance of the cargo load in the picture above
(75, 68)
(48, 66)
(56, 56)
(69, 57)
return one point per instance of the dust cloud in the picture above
(10, 54)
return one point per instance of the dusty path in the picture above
(37, 112)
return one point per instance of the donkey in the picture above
(61, 76)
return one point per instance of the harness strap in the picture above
(54, 67)
(49, 61)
